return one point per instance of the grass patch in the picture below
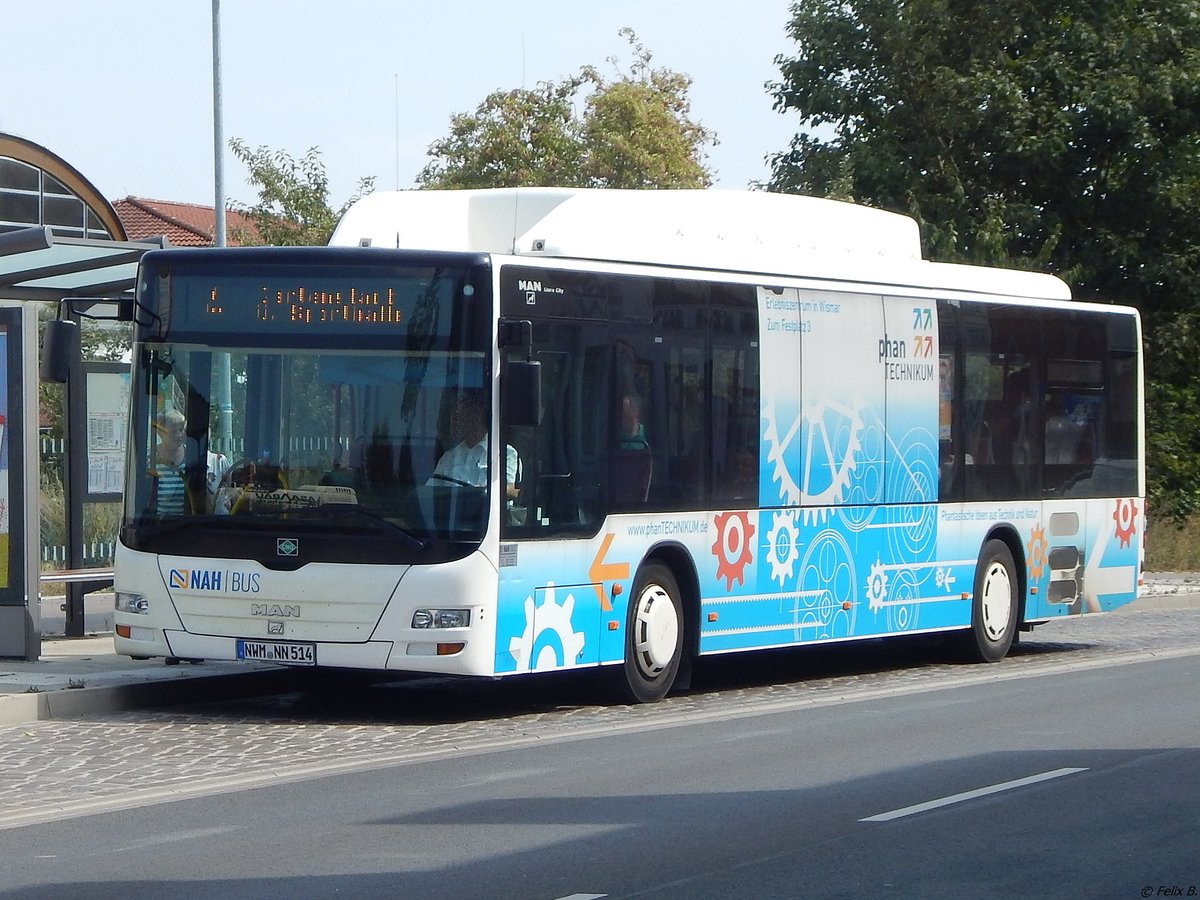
(1173, 548)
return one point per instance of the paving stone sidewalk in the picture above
(92, 763)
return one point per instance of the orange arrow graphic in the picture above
(601, 571)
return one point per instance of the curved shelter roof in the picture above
(58, 236)
(36, 264)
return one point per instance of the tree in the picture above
(635, 132)
(293, 197)
(1173, 401)
(1054, 134)
(514, 138)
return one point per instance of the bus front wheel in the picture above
(994, 605)
(653, 635)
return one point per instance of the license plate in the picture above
(288, 654)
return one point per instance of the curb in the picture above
(63, 703)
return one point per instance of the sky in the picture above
(122, 90)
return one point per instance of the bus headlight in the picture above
(441, 618)
(132, 603)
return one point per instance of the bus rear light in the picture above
(449, 649)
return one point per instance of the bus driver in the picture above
(467, 461)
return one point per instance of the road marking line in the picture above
(969, 795)
(584, 897)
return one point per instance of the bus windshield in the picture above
(277, 416)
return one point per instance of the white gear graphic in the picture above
(838, 470)
(877, 583)
(837, 465)
(783, 534)
(789, 491)
(550, 616)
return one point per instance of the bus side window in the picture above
(1002, 418)
(631, 462)
(562, 458)
(951, 447)
(735, 417)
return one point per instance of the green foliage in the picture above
(1050, 134)
(637, 128)
(52, 506)
(1061, 135)
(1173, 417)
(293, 197)
(514, 138)
(101, 521)
(635, 132)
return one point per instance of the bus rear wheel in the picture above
(653, 635)
(994, 605)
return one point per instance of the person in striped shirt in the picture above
(169, 497)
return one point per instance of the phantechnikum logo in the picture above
(214, 581)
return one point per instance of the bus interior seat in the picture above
(630, 473)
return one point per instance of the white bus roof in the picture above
(737, 231)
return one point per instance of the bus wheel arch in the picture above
(660, 627)
(997, 607)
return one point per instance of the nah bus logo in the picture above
(196, 579)
(214, 580)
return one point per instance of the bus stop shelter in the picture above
(37, 265)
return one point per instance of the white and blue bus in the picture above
(707, 422)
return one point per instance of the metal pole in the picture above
(218, 137)
(75, 485)
(223, 389)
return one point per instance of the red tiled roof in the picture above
(184, 224)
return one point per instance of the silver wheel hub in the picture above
(656, 636)
(996, 601)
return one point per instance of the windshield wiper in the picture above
(332, 510)
(170, 525)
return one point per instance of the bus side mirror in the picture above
(60, 347)
(521, 393)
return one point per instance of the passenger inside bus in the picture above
(633, 432)
(168, 495)
(631, 463)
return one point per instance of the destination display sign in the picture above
(295, 294)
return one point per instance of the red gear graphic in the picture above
(1125, 515)
(733, 539)
(1037, 552)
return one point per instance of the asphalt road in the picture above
(1069, 770)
